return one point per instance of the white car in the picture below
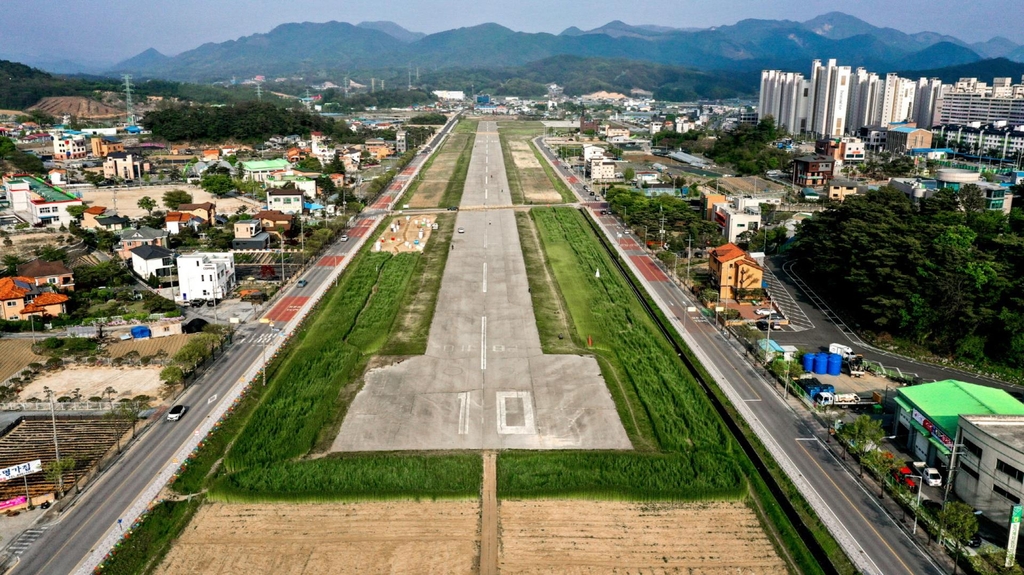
(344, 237)
(932, 477)
(764, 311)
(462, 230)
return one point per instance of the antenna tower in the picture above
(129, 109)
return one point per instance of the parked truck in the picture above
(847, 399)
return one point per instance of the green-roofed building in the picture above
(258, 170)
(927, 416)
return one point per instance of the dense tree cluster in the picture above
(335, 100)
(947, 274)
(748, 148)
(249, 121)
(681, 221)
(19, 161)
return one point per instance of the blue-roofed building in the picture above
(902, 139)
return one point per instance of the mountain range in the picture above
(746, 46)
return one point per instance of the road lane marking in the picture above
(485, 277)
(212, 399)
(483, 343)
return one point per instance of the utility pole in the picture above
(661, 232)
(689, 254)
(56, 445)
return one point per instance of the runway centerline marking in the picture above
(464, 413)
(483, 343)
(485, 277)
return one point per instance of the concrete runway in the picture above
(484, 382)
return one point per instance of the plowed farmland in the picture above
(15, 354)
(398, 537)
(613, 537)
(169, 345)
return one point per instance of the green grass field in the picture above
(453, 191)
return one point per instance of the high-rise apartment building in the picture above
(834, 101)
(972, 101)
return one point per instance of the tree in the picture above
(93, 178)
(960, 523)
(174, 198)
(309, 164)
(863, 435)
(149, 204)
(76, 211)
(172, 375)
(55, 471)
(11, 263)
(628, 174)
(52, 253)
(217, 184)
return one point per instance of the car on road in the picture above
(462, 230)
(301, 283)
(763, 325)
(344, 237)
(175, 413)
(453, 208)
(905, 476)
(764, 311)
(197, 303)
(932, 477)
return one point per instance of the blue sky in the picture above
(111, 30)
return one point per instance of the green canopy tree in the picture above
(960, 524)
(174, 198)
(147, 203)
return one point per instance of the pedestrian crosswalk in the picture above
(24, 541)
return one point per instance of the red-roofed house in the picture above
(20, 298)
(733, 271)
(174, 222)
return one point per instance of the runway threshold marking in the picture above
(483, 343)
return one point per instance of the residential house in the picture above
(813, 171)
(210, 156)
(103, 146)
(838, 189)
(113, 223)
(57, 177)
(293, 179)
(175, 222)
(602, 170)
(258, 170)
(735, 218)
(21, 298)
(153, 261)
(205, 275)
(378, 148)
(274, 221)
(90, 215)
(38, 202)
(249, 235)
(143, 236)
(44, 273)
(205, 210)
(287, 200)
(846, 150)
(734, 271)
(125, 166)
(616, 131)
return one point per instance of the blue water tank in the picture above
(821, 363)
(835, 364)
(809, 362)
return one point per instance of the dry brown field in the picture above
(128, 199)
(614, 537)
(338, 538)
(435, 179)
(169, 345)
(536, 186)
(15, 355)
(93, 381)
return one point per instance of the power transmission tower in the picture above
(373, 85)
(410, 78)
(129, 111)
(259, 92)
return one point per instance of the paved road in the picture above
(68, 543)
(873, 540)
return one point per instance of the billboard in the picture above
(1011, 542)
(16, 471)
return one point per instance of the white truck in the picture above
(838, 348)
(847, 399)
(854, 362)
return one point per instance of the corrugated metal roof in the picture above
(943, 402)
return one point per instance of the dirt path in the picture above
(489, 516)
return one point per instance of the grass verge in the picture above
(412, 327)
(457, 183)
(146, 545)
(515, 184)
(563, 190)
(357, 478)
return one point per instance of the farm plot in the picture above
(152, 347)
(15, 355)
(403, 537)
(433, 181)
(85, 440)
(614, 537)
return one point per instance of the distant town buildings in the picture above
(970, 101)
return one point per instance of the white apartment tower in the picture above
(926, 102)
(898, 102)
(830, 86)
(866, 94)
